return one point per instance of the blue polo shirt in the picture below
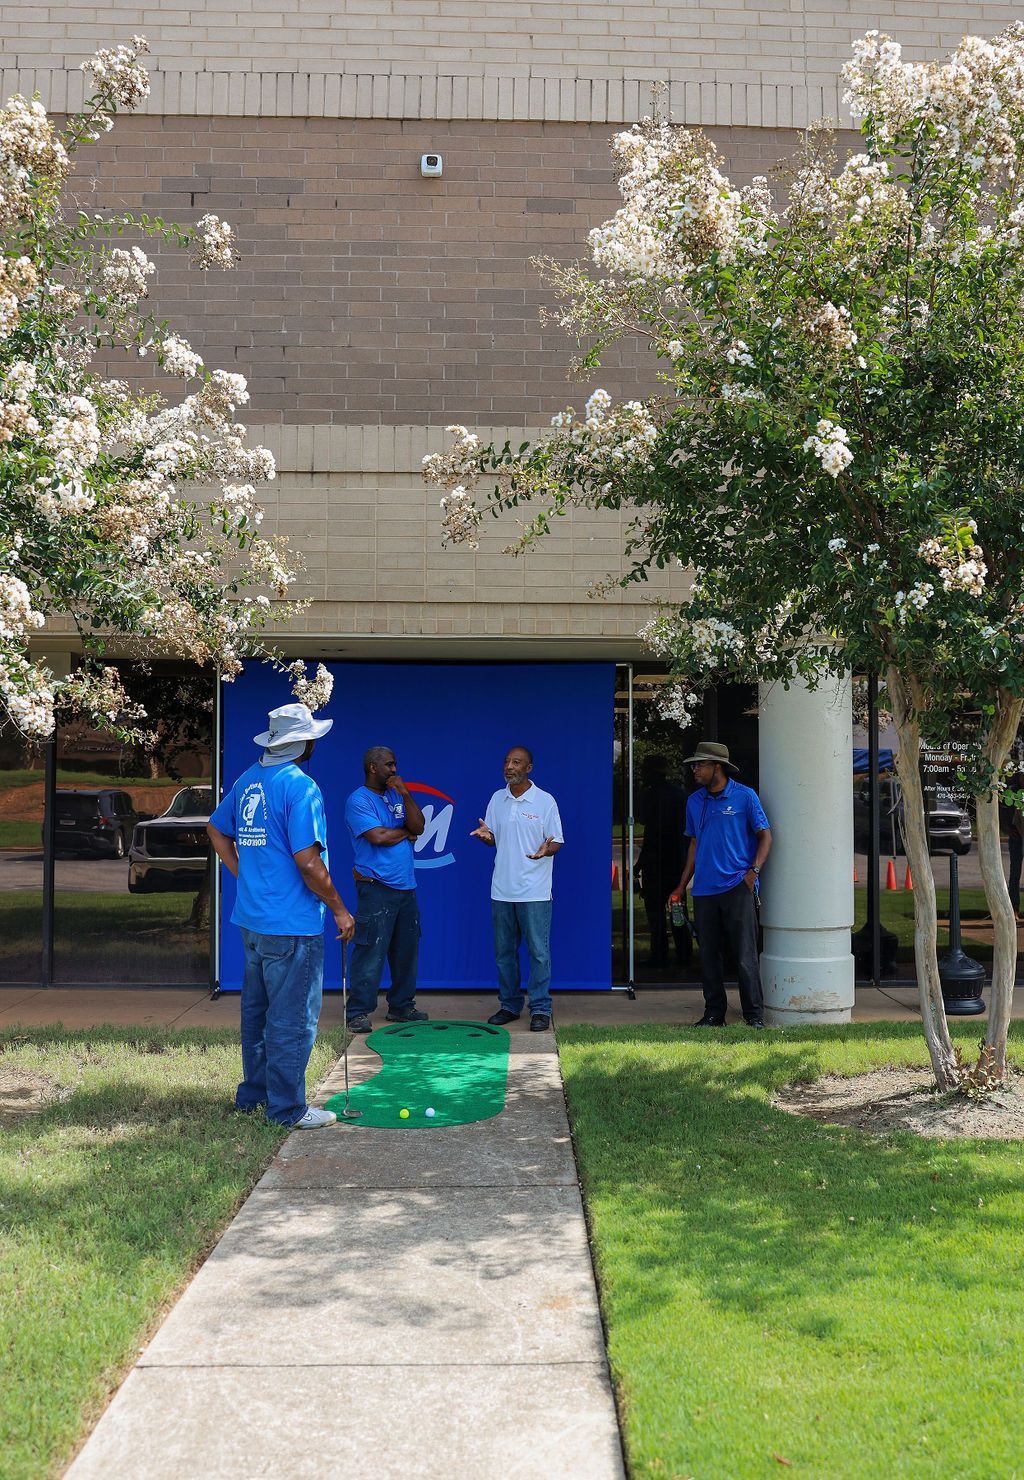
(273, 812)
(366, 809)
(725, 827)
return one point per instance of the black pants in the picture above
(728, 918)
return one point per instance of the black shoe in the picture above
(709, 1022)
(754, 1022)
(540, 1022)
(410, 1015)
(359, 1024)
(501, 1017)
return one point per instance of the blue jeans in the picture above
(282, 990)
(529, 921)
(387, 929)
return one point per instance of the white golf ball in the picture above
(429, 1110)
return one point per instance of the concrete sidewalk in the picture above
(387, 1304)
(191, 1007)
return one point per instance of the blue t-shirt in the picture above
(725, 827)
(273, 812)
(366, 809)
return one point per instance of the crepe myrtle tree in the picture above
(129, 514)
(837, 451)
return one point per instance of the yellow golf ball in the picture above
(403, 1115)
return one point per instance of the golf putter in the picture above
(347, 1113)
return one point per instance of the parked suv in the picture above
(171, 852)
(949, 826)
(100, 822)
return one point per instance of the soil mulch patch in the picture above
(901, 1099)
(24, 1092)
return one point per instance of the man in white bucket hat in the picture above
(270, 831)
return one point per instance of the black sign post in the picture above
(961, 976)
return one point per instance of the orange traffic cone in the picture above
(890, 877)
(908, 879)
(855, 873)
(615, 874)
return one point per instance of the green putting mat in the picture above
(458, 1070)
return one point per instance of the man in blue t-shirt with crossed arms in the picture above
(729, 842)
(271, 833)
(383, 819)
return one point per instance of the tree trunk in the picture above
(199, 919)
(990, 856)
(906, 710)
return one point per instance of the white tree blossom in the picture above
(96, 522)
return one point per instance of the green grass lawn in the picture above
(108, 1201)
(96, 778)
(17, 834)
(784, 1296)
(100, 937)
(897, 911)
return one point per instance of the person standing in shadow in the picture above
(661, 814)
(1013, 821)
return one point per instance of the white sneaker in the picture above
(314, 1118)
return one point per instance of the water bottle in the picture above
(678, 909)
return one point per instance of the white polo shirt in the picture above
(520, 825)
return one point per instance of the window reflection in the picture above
(21, 860)
(665, 951)
(133, 859)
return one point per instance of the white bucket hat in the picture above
(290, 724)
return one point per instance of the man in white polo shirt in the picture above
(523, 826)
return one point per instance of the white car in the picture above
(172, 851)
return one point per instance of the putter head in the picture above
(348, 1114)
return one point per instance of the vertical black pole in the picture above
(711, 714)
(49, 839)
(955, 940)
(874, 833)
(213, 863)
(627, 875)
(623, 810)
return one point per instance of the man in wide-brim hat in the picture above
(270, 831)
(729, 842)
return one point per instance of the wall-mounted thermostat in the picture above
(431, 165)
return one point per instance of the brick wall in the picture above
(365, 293)
(351, 499)
(758, 62)
(371, 308)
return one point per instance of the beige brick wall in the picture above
(758, 62)
(365, 293)
(370, 309)
(369, 532)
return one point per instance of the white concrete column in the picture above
(806, 744)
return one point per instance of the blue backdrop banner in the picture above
(450, 726)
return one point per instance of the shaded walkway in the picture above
(387, 1304)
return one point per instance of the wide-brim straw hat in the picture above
(290, 723)
(710, 750)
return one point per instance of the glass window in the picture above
(21, 860)
(665, 952)
(132, 877)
